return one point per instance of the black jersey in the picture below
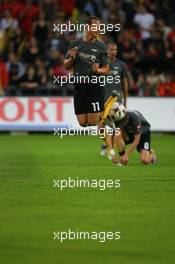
(134, 123)
(117, 70)
(87, 54)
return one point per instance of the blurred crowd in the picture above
(31, 52)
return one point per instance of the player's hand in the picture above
(124, 159)
(101, 124)
(72, 53)
(115, 93)
(112, 156)
(95, 67)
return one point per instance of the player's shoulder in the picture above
(101, 45)
(121, 63)
(134, 118)
(74, 43)
(133, 114)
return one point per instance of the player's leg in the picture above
(119, 143)
(147, 155)
(153, 157)
(144, 148)
(121, 140)
(92, 119)
(82, 119)
(112, 140)
(107, 106)
(111, 148)
(95, 103)
(80, 105)
(104, 145)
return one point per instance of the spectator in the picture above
(15, 7)
(58, 68)
(2, 41)
(15, 69)
(145, 21)
(68, 6)
(65, 41)
(141, 84)
(8, 22)
(167, 87)
(93, 8)
(162, 27)
(32, 52)
(169, 56)
(127, 48)
(18, 42)
(4, 78)
(152, 81)
(27, 16)
(114, 19)
(41, 71)
(171, 38)
(53, 42)
(49, 8)
(152, 51)
(133, 88)
(30, 81)
(40, 31)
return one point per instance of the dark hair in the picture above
(89, 19)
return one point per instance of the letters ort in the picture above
(14, 109)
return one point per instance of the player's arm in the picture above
(71, 55)
(102, 70)
(134, 144)
(109, 141)
(111, 150)
(70, 58)
(124, 80)
(125, 90)
(132, 147)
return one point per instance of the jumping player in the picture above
(88, 57)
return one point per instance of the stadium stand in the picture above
(32, 53)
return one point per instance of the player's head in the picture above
(112, 50)
(117, 111)
(94, 26)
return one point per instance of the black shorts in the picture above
(88, 98)
(145, 141)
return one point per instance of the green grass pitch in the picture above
(143, 209)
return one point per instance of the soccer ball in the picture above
(117, 111)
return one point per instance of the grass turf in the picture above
(31, 209)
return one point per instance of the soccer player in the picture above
(118, 70)
(119, 86)
(88, 57)
(133, 129)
